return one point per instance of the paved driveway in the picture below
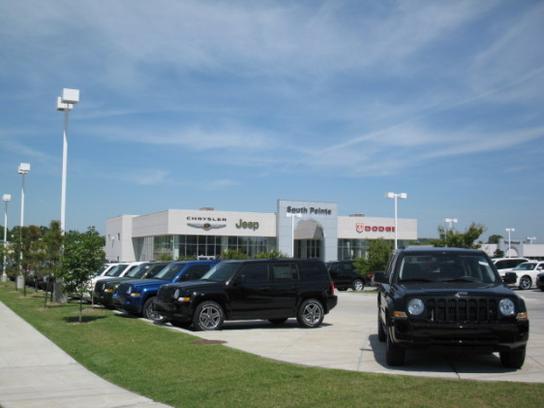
(348, 340)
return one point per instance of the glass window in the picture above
(222, 272)
(154, 269)
(116, 270)
(195, 272)
(255, 272)
(446, 268)
(525, 266)
(284, 272)
(313, 271)
(170, 271)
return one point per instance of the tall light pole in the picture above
(293, 216)
(395, 197)
(23, 170)
(6, 198)
(65, 103)
(448, 222)
(510, 230)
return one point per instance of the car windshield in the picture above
(526, 266)
(153, 270)
(116, 270)
(222, 272)
(170, 271)
(446, 268)
(138, 271)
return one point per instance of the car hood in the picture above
(197, 284)
(430, 289)
(144, 283)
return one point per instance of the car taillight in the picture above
(332, 287)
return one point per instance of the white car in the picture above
(526, 274)
(504, 265)
(118, 270)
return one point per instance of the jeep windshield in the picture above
(169, 272)
(526, 266)
(116, 270)
(222, 272)
(446, 267)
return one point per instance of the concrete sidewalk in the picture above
(34, 372)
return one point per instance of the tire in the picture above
(342, 289)
(525, 282)
(358, 285)
(381, 332)
(394, 355)
(310, 314)
(149, 313)
(278, 321)
(209, 315)
(513, 358)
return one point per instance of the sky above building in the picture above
(236, 104)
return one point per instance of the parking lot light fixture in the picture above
(509, 231)
(65, 103)
(6, 198)
(293, 216)
(395, 197)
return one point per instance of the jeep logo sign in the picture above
(252, 225)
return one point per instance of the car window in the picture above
(501, 265)
(445, 267)
(525, 266)
(255, 272)
(284, 272)
(170, 271)
(116, 270)
(313, 271)
(347, 267)
(154, 270)
(195, 272)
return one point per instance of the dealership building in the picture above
(305, 229)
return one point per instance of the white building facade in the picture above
(307, 229)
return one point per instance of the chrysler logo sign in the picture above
(207, 223)
(373, 228)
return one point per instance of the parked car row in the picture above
(203, 294)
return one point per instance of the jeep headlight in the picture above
(129, 290)
(176, 294)
(415, 306)
(507, 307)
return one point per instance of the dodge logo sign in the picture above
(373, 228)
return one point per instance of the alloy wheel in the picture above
(312, 313)
(525, 283)
(210, 317)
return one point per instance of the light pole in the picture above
(509, 230)
(292, 216)
(6, 198)
(448, 222)
(23, 170)
(395, 197)
(65, 103)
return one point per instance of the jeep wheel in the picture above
(394, 355)
(525, 283)
(513, 358)
(150, 313)
(209, 315)
(278, 321)
(381, 331)
(310, 313)
(358, 285)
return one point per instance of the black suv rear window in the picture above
(313, 271)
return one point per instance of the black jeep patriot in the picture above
(241, 290)
(449, 297)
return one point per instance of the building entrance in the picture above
(309, 239)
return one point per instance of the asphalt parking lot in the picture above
(348, 340)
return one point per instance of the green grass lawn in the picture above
(170, 367)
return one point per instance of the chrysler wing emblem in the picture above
(206, 226)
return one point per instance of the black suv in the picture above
(243, 290)
(449, 297)
(345, 275)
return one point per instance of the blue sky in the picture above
(236, 104)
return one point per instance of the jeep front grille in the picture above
(166, 293)
(461, 310)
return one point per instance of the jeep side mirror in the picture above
(509, 278)
(379, 277)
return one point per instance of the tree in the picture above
(494, 239)
(274, 254)
(455, 239)
(376, 259)
(83, 255)
(28, 240)
(233, 254)
(52, 242)
(498, 253)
